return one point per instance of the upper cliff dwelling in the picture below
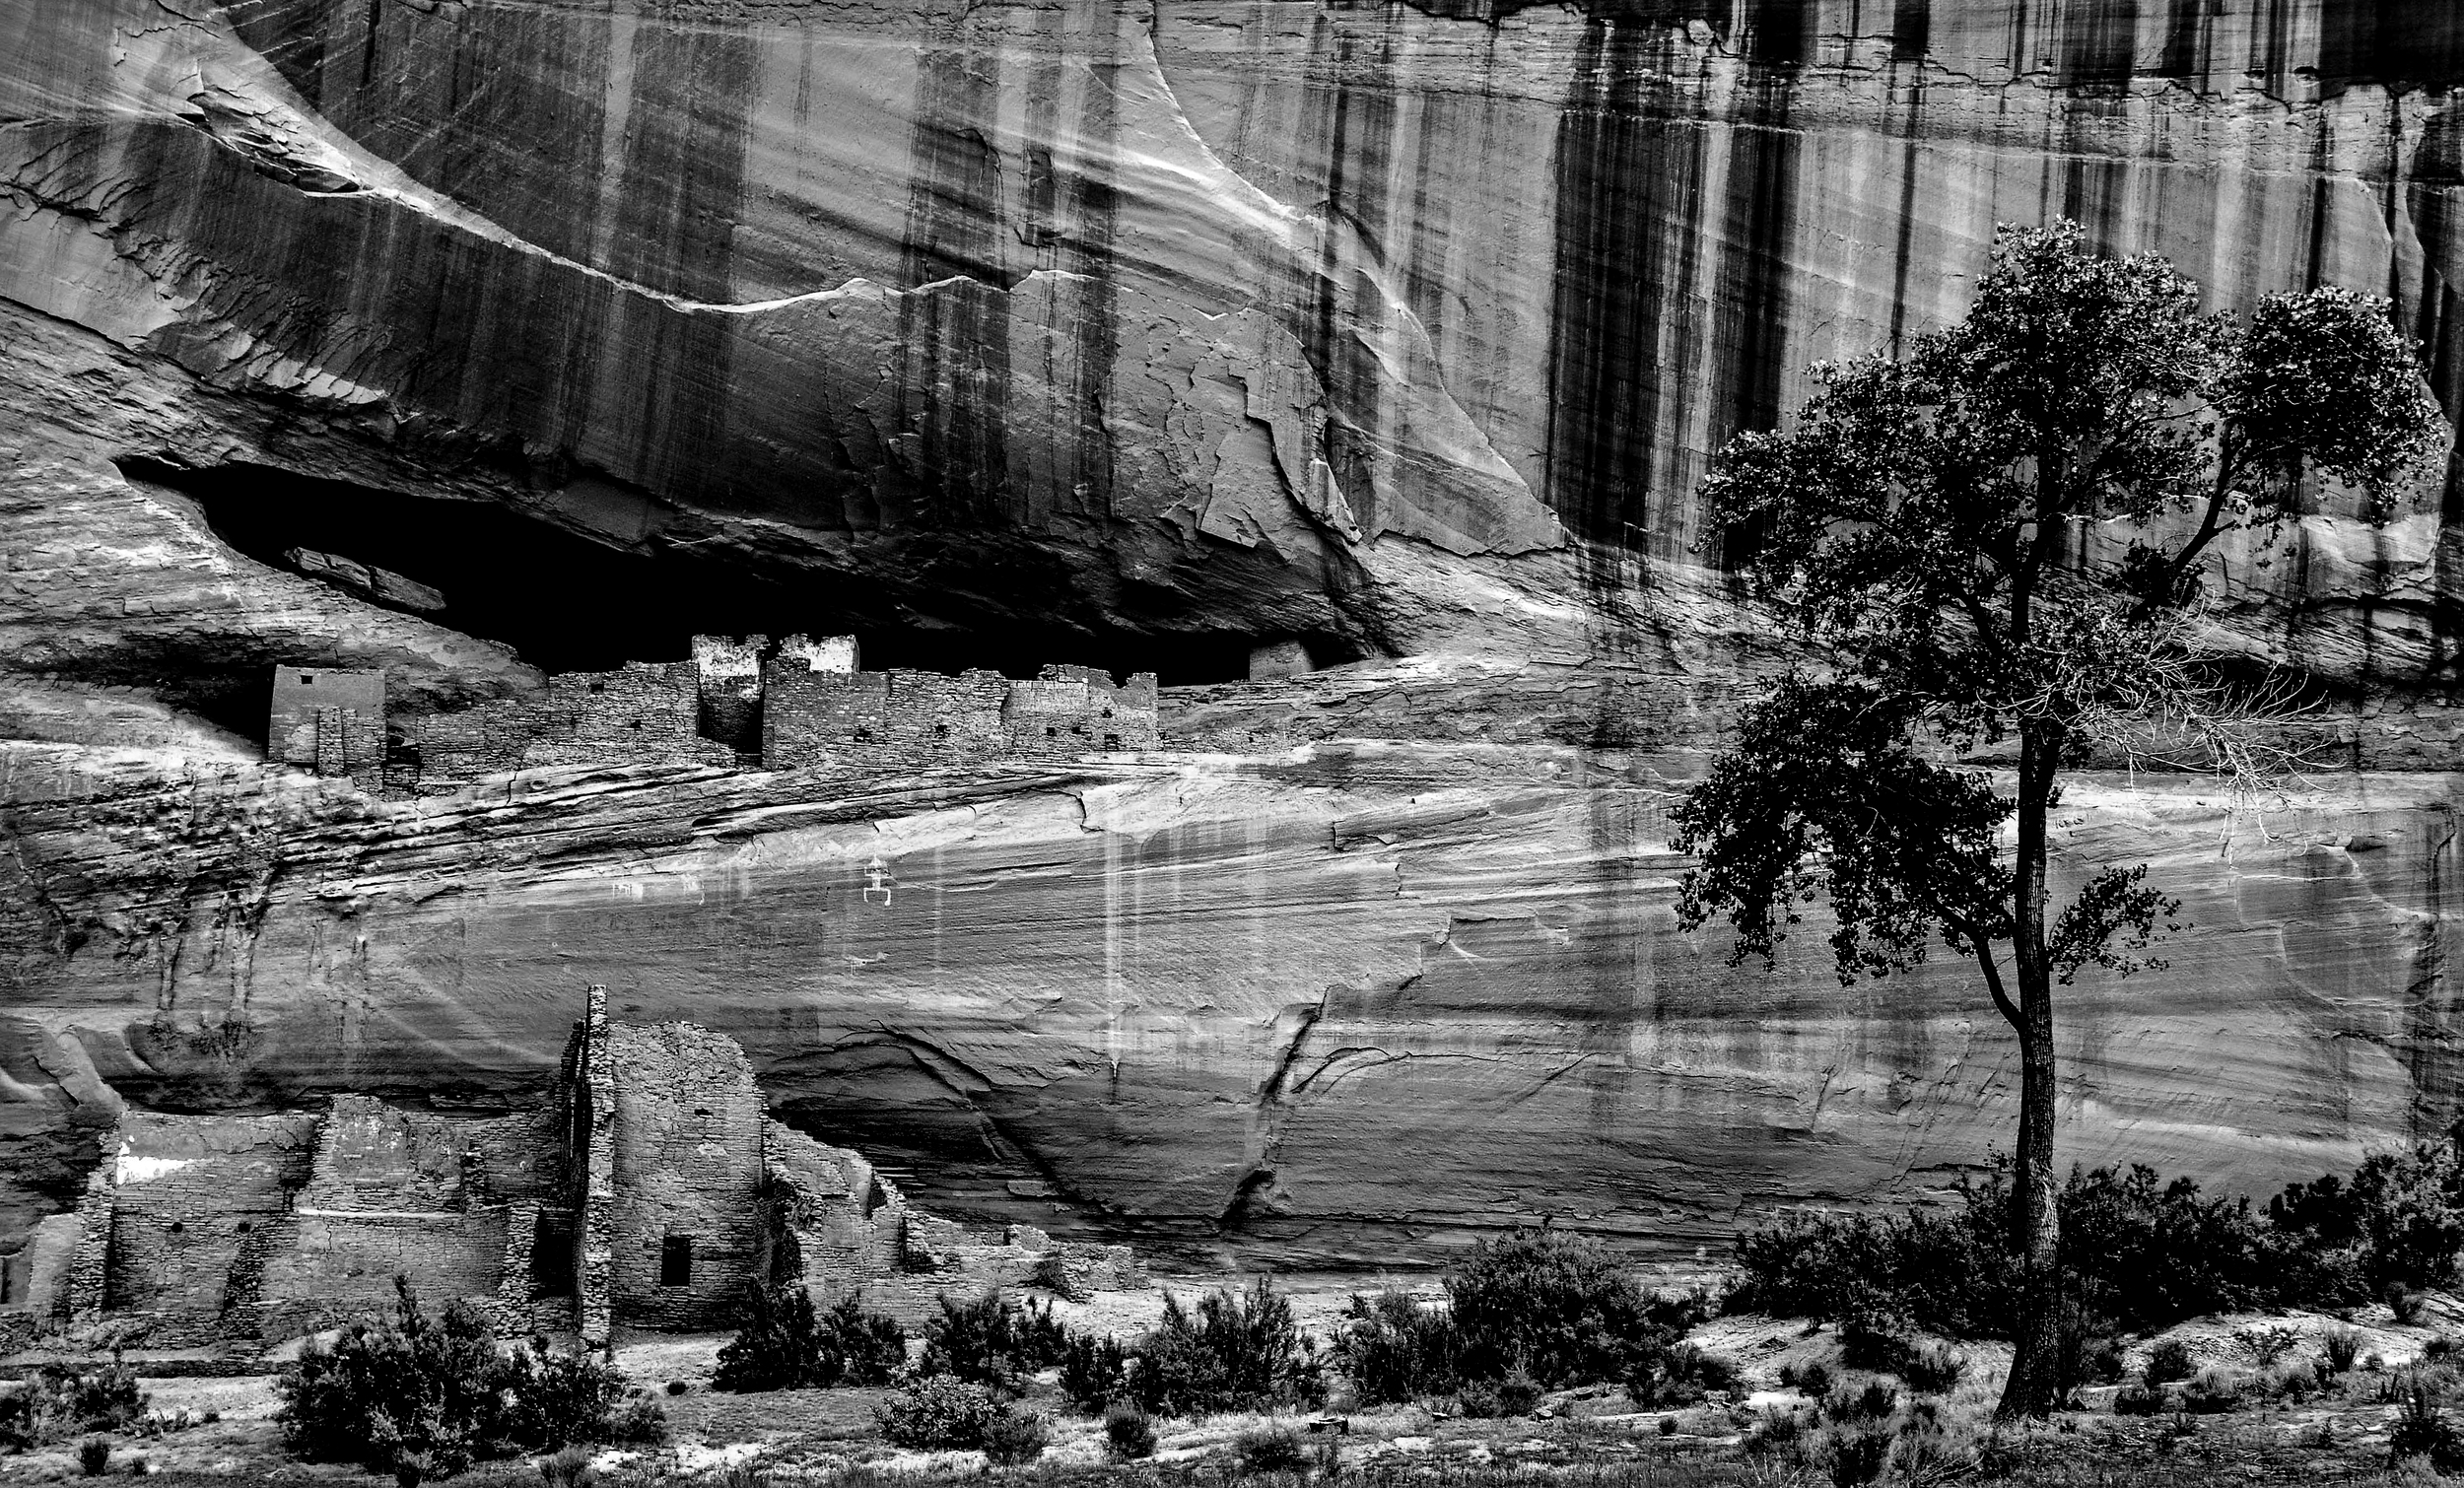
(571, 587)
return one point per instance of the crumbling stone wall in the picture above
(895, 719)
(391, 1192)
(729, 677)
(688, 1168)
(843, 1228)
(1072, 710)
(330, 721)
(652, 1190)
(187, 1198)
(816, 712)
(644, 713)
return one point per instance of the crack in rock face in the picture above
(1352, 366)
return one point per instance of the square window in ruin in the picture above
(598, 687)
(675, 1261)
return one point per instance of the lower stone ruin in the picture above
(651, 1192)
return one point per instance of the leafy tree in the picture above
(2001, 540)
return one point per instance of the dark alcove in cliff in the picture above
(567, 603)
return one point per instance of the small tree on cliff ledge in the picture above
(2000, 540)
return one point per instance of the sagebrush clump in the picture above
(2138, 1255)
(1540, 1306)
(787, 1344)
(1234, 1351)
(418, 1397)
(992, 1342)
(56, 1402)
(938, 1411)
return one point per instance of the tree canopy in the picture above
(1999, 544)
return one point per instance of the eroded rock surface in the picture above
(1135, 333)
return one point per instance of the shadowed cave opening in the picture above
(565, 603)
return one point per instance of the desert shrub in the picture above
(56, 1402)
(2287, 1379)
(2139, 1252)
(1014, 1437)
(2140, 1400)
(2400, 1217)
(1942, 1270)
(2212, 1394)
(1518, 1394)
(1936, 1371)
(1777, 1435)
(2085, 1352)
(1391, 1348)
(1234, 1351)
(1856, 1455)
(568, 1467)
(1681, 1375)
(1871, 1401)
(2422, 1429)
(1128, 1436)
(420, 1397)
(780, 1346)
(1559, 1306)
(2438, 1348)
(94, 1457)
(1270, 1448)
(1094, 1371)
(872, 1345)
(2167, 1362)
(787, 1344)
(1873, 1334)
(2403, 1303)
(547, 1398)
(992, 1342)
(1478, 1400)
(938, 1410)
(1813, 1377)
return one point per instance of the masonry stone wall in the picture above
(842, 1228)
(821, 716)
(895, 719)
(1072, 710)
(729, 677)
(688, 1158)
(643, 713)
(652, 1190)
(330, 721)
(189, 1200)
(391, 1192)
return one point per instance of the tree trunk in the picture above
(2035, 1217)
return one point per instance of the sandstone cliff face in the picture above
(1134, 331)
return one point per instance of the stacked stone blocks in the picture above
(656, 1171)
(808, 705)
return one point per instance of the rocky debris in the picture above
(366, 580)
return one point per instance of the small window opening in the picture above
(1052, 733)
(246, 1227)
(308, 679)
(863, 735)
(552, 1255)
(636, 723)
(179, 1227)
(1108, 712)
(940, 730)
(598, 687)
(1111, 741)
(675, 1261)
